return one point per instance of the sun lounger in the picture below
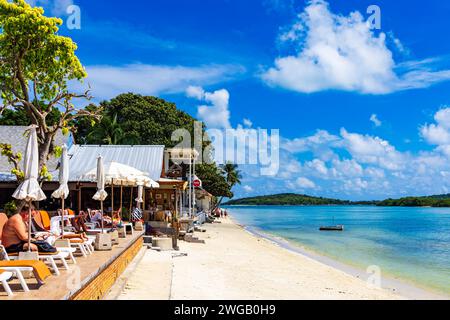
(84, 246)
(46, 257)
(4, 277)
(40, 270)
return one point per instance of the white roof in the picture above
(148, 159)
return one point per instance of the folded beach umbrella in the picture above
(139, 198)
(101, 194)
(29, 190)
(63, 191)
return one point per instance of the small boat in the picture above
(332, 228)
(338, 227)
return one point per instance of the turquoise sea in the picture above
(412, 244)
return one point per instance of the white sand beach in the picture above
(235, 264)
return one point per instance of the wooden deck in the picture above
(82, 280)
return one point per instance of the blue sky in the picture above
(362, 113)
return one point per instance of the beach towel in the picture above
(40, 270)
(45, 219)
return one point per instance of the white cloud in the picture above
(109, 81)
(336, 52)
(439, 133)
(320, 144)
(305, 183)
(248, 123)
(375, 120)
(56, 7)
(247, 188)
(216, 115)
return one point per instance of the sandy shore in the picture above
(235, 264)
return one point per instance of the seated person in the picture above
(15, 233)
(116, 219)
(97, 218)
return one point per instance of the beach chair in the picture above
(37, 268)
(17, 269)
(84, 246)
(4, 277)
(48, 258)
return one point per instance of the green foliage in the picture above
(29, 44)
(213, 180)
(14, 159)
(17, 117)
(11, 208)
(297, 199)
(36, 65)
(287, 199)
(135, 119)
(231, 173)
(147, 120)
(431, 201)
(109, 132)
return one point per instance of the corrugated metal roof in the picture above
(15, 136)
(148, 159)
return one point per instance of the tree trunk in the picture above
(217, 205)
(44, 148)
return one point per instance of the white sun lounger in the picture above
(4, 277)
(45, 258)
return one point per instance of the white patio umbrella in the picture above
(121, 174)
(101, 194)
(63, 191)
(139, 198)
(29, 190)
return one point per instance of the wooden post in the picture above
(175, 223)
(131, 200)
(112, 198)
(143, 198)
(121, 194)
(79, 198)
(62, 217)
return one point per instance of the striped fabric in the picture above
(136, 215)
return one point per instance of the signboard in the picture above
(197, 183)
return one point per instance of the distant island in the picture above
(292, 199)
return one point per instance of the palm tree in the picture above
(109, 132)
(232, 174)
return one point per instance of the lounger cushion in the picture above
(40, 270)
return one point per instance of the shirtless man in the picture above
(15, 234)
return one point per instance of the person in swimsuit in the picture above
(15, 233)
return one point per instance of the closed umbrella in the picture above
(63, 191)
(139, 198)
(29, 190)
(101, 194)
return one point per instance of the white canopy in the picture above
(100, 177)
(121, 174)
(29, 189)
(63, 190)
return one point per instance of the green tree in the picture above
(232, 174)
(36, 65)
(148, 120)
(109, 132)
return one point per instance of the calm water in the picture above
(410, 243)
